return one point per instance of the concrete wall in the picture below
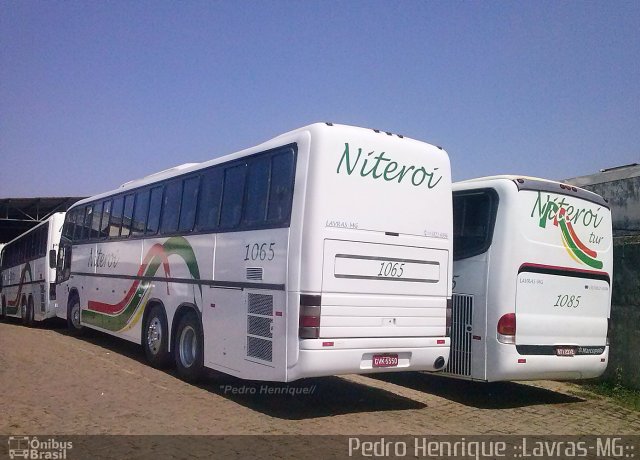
(621, 188)
(624, 332)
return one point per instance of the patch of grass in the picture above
(626, 397)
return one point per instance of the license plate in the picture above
(385, 360)
(565, 351)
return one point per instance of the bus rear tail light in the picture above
(507, 328)
(52, 291)
(449, 317)
(309, 326)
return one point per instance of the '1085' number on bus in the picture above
(565, 300)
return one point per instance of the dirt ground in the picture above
(58, 384)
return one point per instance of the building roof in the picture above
(607, 175)
(17, 215)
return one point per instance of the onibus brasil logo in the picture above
(565, 217)
(33, 448)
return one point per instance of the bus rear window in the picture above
(474, 215)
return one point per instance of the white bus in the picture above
(532, 280)
(299, 257)
(29, 272)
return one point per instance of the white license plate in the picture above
(565, 351)
(385, 360)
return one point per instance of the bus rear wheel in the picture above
(73, 316)
(188, 348)
(23, 311)
(154, 340)
(28, 319)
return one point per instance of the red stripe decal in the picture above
(579, 243)
(157, 250)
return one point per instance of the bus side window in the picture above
(155, 204)
(86, 226)
(78, 220)
(43, 241)
(127, 216)
(22, 245)
(189, 203)
(29, 246)
(69, 225)
(281, 190)
(171, 207)
(115, 222)
(140, 211)
(106, 215)
(209, 199)
(95, 222)
(63, 267)
(233, 196)
(255, 208)
(473, 221)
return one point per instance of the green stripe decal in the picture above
(576, 250)
(132, 312)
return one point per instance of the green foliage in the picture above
(616, 390)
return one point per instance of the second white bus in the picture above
(29, 272)
(308, 255)
(532, 280)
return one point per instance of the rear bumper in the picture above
(508, 364)
(324, 357)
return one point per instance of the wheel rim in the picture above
(188, 346)
(154, 335)
(75, 315)
(23, 311)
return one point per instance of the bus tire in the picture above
(188, 348)
(28, 319)
(155, 338)
(23, 311)
(73, 316)
(3, 308)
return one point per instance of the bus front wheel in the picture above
(154, 340)
(188, 348)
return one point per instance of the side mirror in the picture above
(52, 258)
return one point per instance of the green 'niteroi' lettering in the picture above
(383, 167)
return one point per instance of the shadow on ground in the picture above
(308, 398)
(323, 397)
(481, 395)
(303, 399)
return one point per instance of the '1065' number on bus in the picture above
(259, 251)
(391, 269)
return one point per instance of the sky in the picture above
(94, 94)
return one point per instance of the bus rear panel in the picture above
(374, 272)
(537, 295)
